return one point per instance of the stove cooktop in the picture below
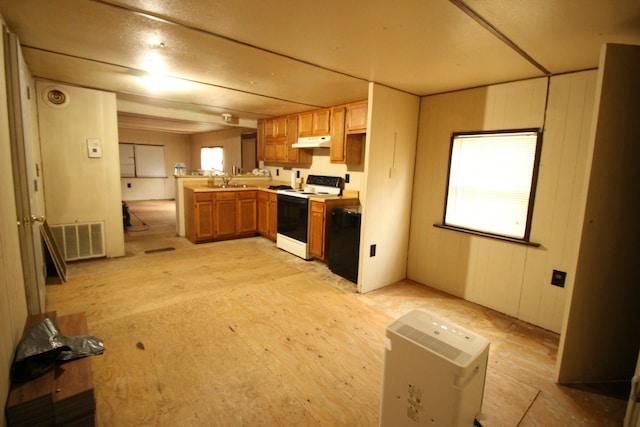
(317, 186)
(306, 193)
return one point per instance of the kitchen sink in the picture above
(232, 186)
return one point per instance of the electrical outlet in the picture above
(297, 174)
(372, 250)
(346, 178)
(277, 172)
(128, 185)
(558, 278)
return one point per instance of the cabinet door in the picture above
(356, 120)
(263, 213)
(280, 126)
(315, 122)
(268, 128)
(322, 121)
(225, 214)
(296, 155)
(260, 141)
(317, 229)
(273, 216)
(203, 217)
(337, 148)
(305, 124)
(247, 212)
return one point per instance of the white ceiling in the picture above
(260, 58)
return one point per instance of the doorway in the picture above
(153, 227)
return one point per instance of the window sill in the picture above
(492, 236)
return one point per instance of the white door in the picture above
(26, 172)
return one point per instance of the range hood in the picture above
(313, 142)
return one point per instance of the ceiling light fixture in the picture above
(227, 117)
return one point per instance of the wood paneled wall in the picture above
(508, 277)
(79, 188)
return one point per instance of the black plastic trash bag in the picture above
(42, 347)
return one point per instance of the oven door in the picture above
(293, 217)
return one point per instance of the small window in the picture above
(211, 158)
(492, 178)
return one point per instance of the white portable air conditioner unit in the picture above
(434, 373)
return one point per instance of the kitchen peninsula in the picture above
(248, 207)
(199, 181)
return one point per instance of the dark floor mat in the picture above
(153, 251)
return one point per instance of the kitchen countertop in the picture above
(199, 188)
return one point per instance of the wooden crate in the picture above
(63, 396)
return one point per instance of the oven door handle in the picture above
(293, 199)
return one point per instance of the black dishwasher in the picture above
(344, 245)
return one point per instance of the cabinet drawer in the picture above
(243, 195)
(263, 195)
(226, 195)
(203, 197)
(317, 207)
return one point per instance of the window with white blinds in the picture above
(492, 181)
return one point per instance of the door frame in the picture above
(25, 160)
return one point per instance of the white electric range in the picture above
(293, 212)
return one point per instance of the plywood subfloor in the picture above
(241, 333)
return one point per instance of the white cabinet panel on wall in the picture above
(127, 161)
(559, 199)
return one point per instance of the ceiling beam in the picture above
(493, 30)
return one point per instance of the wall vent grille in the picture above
(80, 240)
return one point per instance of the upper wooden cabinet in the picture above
(346, 124)
(275, 137)
(346, 147)
(314, 123)
(336, 150)
(272, 139)
(275, 127)
(296, 155)
(356, 117)
(260, 145)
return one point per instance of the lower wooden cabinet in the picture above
(247, 213)
(268, 214)
(224, 217)
(317, 234)
(320, 225)
(219, 215)
(198, 211)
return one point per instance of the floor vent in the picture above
(80, 240)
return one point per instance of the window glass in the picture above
(491, 182)
(211, 158)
